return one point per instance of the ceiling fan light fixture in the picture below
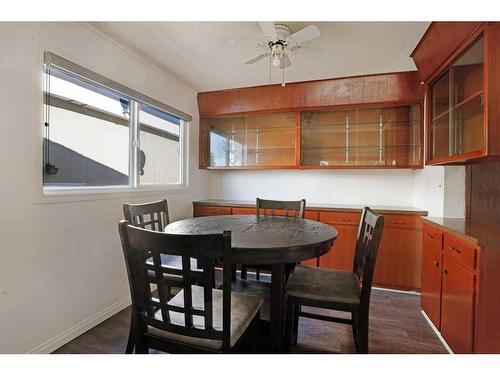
(276, 61)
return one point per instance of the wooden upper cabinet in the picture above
(356, 122)
(251, 140)
(457, 108)
(459, 61)
(374, 137)
(438, 43)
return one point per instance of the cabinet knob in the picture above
(454, 249)
(445, 272)
(430, 236)
(436, 263)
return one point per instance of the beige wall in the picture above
(61, 264)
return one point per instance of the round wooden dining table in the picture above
(272, 240)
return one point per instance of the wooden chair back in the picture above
(143, 250)
(367, 244)
(281, 208)
(153, 215)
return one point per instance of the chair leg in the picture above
(256, 333)
(296, 313)
(289, 327)
(130, 342)
(355, 318)
(257, 274)
(243, 274)
(233, 273)
(362, 330)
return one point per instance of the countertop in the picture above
(321, 207)
(483, 234)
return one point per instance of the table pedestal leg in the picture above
(277, 305)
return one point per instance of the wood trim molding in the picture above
(438, 44)
(389, 89)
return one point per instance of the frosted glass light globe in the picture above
(276, 61)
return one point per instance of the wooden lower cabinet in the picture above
(461, 288)
(430, 290)
(399, 259)
(342, 254)
(242, 211)
(457, 306)
(210, 211)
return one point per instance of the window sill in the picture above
(60, 195)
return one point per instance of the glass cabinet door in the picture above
(456, 106)
(252, 140)
(387, 137)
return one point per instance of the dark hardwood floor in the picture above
(396, 326)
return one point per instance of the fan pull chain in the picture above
(270, 67)
(283, 70)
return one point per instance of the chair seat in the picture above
(324, 287)
(244, 308)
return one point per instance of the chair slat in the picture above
(188, 296)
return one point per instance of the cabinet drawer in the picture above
(461, 252)
(243, 211)
(432, 236)
(211, 211)
(345, 218)
(401, 221)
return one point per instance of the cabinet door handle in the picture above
(397, 221)
(430, 236)
(345, 219)
(436, 263)
(454, 249)
(445, 272)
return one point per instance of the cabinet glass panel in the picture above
(252, 141)
(361, 137)
(456, 108)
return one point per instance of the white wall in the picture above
(62, 263)
(377, 187)
(423, 188)
(428, 192)
(454, 196)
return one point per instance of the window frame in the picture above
(69, 193)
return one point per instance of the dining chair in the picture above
(153, 216)
(199, 318)
(337, 289)
(274, 208)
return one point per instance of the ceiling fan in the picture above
(279, 42)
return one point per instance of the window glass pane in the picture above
(159, 156)
(87, 140)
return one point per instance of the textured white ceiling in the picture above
(209, 55)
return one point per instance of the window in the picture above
(99, 134)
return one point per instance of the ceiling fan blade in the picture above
(269, 30)
(286, 62)
(257, 58)
(306, 34)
